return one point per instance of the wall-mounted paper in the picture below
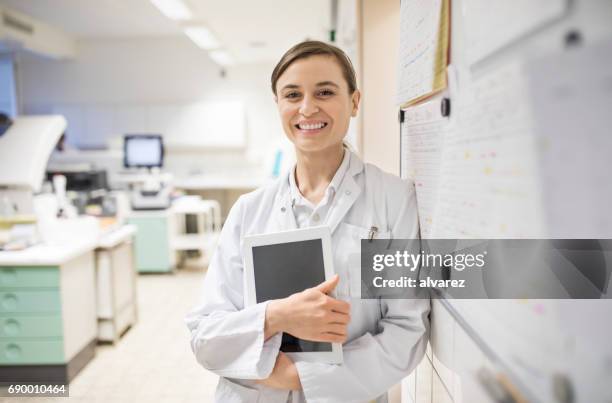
(423, 53)
(491, 25)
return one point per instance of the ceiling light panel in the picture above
(221, 57)
(173, 9)
(202, 37)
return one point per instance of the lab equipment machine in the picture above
(25, 147)
(82, 180)
(146, 151)
(87, 190)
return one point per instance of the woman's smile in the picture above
(311, 127)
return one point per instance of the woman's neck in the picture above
(314, 171)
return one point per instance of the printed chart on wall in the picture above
(475, 174)
(487, 175)
(424, 49)
(422, 133)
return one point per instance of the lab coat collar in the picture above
(346, 196)
(282, 209)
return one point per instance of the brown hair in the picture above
(313, 48)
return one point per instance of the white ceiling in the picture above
(252, 30)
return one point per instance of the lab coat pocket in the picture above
(348, 252)
(229, 391)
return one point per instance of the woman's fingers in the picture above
(340, 318)
(336, 328)
(328, 338)
(328, 286)
(338, 305)
(332, 338)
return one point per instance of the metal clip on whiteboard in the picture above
(445, 107)
(453, 76)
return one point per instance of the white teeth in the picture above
(313, 126)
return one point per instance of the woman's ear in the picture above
(275, 99)
(355, 98)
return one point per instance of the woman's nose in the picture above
(308, 106)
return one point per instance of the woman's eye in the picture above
(326, 92)
(292, 95)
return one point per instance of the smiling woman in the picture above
(383, 340)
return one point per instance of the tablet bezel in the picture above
(305, 234)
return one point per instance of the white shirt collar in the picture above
(298, 198)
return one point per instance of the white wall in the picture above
(124, 80)
(122, 70)
(380, 44)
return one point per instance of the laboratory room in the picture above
(326, 201)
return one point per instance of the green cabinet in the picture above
(30, 316)
(152, 244)
(20, 351)
(29, 326)
(21, 301)
(29, 277)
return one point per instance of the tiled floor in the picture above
(153, 361)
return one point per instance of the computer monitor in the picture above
(143, 151)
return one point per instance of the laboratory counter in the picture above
(50, 303)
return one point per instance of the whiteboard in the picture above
(524, 154)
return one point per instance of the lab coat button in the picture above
(283, 209)
(348, 193)
(315, 218)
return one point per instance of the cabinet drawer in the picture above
(15, 351)
(20, 277)
(29, 301)
(30, 326)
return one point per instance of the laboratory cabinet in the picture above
(47, 319)
(152, 243)
(117, 304)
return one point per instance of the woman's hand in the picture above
(310, 315)
(284, 375)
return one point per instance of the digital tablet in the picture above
(284, 263)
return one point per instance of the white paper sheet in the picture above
(493, 24)
(488, 180)
(419, 46)
(422, 132)
(572, 101)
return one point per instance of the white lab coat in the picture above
(386, 338)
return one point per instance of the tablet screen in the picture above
(284, 269)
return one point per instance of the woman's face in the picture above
(314, 103)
